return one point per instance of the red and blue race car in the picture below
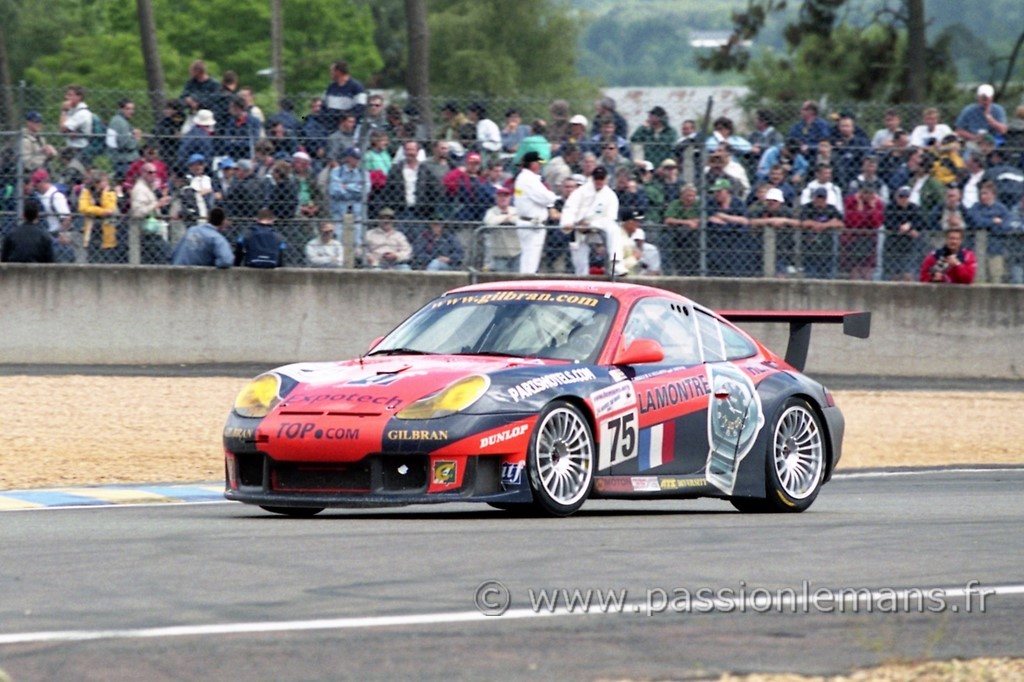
(538, 395)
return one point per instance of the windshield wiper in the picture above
(400, 351)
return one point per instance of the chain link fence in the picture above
(704, 188)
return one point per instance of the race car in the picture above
(535, 396)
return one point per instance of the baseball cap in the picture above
(386, 213)
(721, 183)
(819, 192)
(578, 178)
(646, 165)
(504, 190)
(638, 235)
(774, 194)
(986, 90)
(301, 156)
(34, 117)
(903, 191)
(40, 175)
(353, 153)
(599, 173)
(579, 118)
(631, 214)
(668, 163)
(227, 162)
(196, 158)
(530, 157)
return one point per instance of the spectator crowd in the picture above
(355, 181)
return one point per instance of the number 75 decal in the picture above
(618, 439)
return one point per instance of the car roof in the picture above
(620, 290)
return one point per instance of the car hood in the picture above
(374, 386)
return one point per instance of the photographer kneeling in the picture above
(952, 263)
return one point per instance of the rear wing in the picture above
(856, 324)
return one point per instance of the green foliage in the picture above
(495, 48)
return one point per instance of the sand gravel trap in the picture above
(77, 430)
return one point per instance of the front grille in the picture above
(404, 474)
(355, 477)
(250, 469)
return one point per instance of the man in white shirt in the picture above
(533, 201)
(75, 118)
(823, 178)
(325, 251)
(488, 135)
(593, 207)
(930, 133)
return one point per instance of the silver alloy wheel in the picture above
(564, 456)
(798, 453)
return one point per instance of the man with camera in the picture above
(952, 263)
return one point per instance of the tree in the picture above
(882, 58)
(418, 80)
(151, 56)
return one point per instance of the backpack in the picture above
(262, 248)
(97, 139)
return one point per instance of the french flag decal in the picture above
(657, 445)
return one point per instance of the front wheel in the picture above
(560, 461)
(297, 512)
(795, 462)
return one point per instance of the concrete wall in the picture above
(163, 315)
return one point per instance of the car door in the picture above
(666, 432)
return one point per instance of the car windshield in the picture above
(543, 324)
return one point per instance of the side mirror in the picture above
(373, 344)
(639, 352)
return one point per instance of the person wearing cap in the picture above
(820, 223)
(576, 133)
(770, 211)
(195, 204)
(344, 95)
(501, 244)
(668, 178)
(324, 250)
(656, 137)
(863, 217)
(35, 150)
(591, 213)
(952, 263)
(347, 186)
(205, 245)
(640, 256)
(729, 249)
(53, 204)
(29, 242)
(386, 247)
(982, 117)
(223, 178)
(246, 195)
(904, 227)
(533, 201)
(198, 140)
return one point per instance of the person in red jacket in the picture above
(864, 214)
(951, 264)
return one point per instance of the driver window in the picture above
(667, 323)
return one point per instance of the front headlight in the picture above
(259, 396)
(454, 398)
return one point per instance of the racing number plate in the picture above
(619, 439)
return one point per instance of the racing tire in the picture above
(560, 459)
(795, 463)
(296, 512)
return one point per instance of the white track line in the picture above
(925, 472)
(721, 605)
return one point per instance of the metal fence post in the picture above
(19, 159)
(981, 254)
(768, 264)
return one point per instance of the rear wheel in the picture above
(795, 462)
(560, 462)
(297, 512)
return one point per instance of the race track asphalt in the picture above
(90, 593)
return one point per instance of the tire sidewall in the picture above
(777, 497)
(541, 499)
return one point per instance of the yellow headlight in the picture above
(259, 396)
(455, 398)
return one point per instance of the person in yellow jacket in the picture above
(98, 204)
